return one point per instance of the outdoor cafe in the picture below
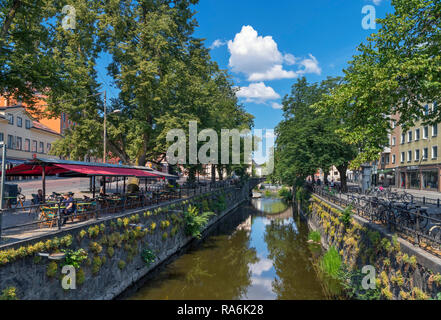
(99, 203)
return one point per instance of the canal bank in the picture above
(260, 251)
(402, 270)
(113, 254)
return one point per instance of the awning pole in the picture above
(93, 187)
(104, 185)
(43, 178)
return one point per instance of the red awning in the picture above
(37, 170)
(105, 171)
(33, 170)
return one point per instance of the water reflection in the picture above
(249, 255)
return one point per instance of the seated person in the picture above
(68, 201)
(38, 198)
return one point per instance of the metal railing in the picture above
(407, 219)
(51, 215)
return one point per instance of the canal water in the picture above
(258, 252)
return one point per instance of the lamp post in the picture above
(2, 184)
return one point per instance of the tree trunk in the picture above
(220, 172)
(325, 177)
(8, 20)
(343, 178)
(213, 173)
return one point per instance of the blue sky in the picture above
(266, 46)
(322, 35)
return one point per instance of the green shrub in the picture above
(148, 256)
(74, 258)
(52, 269)
(195, 222)
(9, 294)
(96, 265)
(121, 264)
(285, 194)
(331, 262)
(314, 236)
(346, 216)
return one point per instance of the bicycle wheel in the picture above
(423, 219)
(435, 233)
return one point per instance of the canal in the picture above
(258, 252)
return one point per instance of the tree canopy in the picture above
(307, 139)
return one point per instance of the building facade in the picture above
(25, 137)
(412, 161)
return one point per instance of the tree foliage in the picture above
(396, 72)
(307, 139)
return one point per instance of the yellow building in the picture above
(25, 138)
(418, 160)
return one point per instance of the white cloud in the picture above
(377, 2)
(258, 93)
(276, 72)
(217, 43)
(261, 266)
(289, 59)
(310, 65)
(276, 105)
(259, 58)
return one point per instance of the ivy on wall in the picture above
(359, 246)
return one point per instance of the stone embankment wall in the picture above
(403, 271)
(114, 250)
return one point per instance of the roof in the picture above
(80, 168)
(37, 125)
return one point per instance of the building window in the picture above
(430, 180)
(426, 110)
(18, 144)
(2, 138)
(417, 134)
(10, 142)
(409, 156)
(403, 137)
(417, 155)
(387, 159)
(19, 122)
(48, 148)
(393, 159)
(409, 136)
(425, 132)
(434, 152)
(394, 141)
(414, 179)
(34, 146)
(10, 118)
(27, 124)
(41, 147)
(27, 145)
(434, 130)
(402, 157)
(425, 153)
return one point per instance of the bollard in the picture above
(417, 228)
(59, 215)
(437, 203)
(424, 200)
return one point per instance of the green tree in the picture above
(396, 72)
(307, 138)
